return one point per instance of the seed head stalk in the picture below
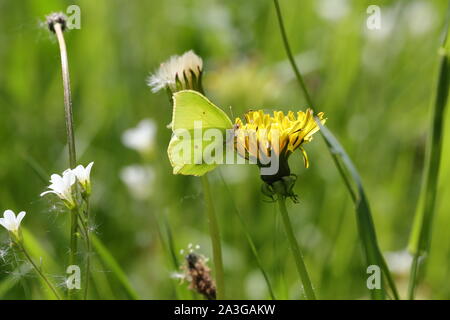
(56, 23)
(67, 95)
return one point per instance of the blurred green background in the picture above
(375, 87)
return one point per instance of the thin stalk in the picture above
(67, 95)
(73, 242)
(413, 277)
(39, 272)
(215, 239)
(301, 267)
(84, 220)
(58, 29)
(287, 47)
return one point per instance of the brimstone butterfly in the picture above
(186, 148)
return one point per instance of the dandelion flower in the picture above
(10, 221)
(62, 187)
(178, 73)
(263, 137)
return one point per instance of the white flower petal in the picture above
(9, 216)
(4, 223)
(20, 216)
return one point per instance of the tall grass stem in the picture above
(215, 238)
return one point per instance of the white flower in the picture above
(332, 10)
(10, 221)
(421, 17)
(139, 180)
(186, 68)
(62, 187)
(399, 261)
(83, 176)
(142, 137)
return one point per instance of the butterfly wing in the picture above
(191, 107)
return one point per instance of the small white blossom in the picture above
(177, 67)
(332, 10)
(399, 261)
(83, 176)
(62, 187)
(10, 221)
(139, 180)
(421, 17)
(142, 137)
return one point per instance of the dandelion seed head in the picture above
(178, 68)
(54, 18)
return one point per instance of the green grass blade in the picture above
(364, 219)
(420, 240)
(110, 262)
(344, 164)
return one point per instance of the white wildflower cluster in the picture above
(178, 73)
(63, 185)
(60, 185)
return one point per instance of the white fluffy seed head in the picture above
(186, 69)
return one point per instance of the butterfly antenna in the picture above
(231, 111)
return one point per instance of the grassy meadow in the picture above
(376, 88)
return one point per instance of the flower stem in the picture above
(215, 239)
(301, 267)
(73, 242)
(39, 272)
(84, 220)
